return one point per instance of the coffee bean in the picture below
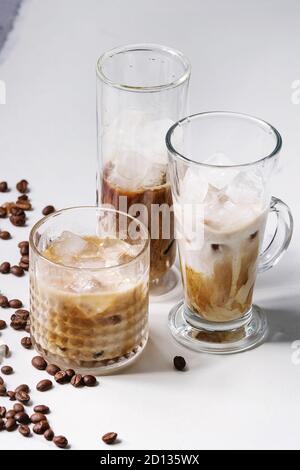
(23, 197)
(22, 417)
(48, 210)
(7, 370)
(17, 271)
(22, 186)
(22, 388)
(109, 437)
(70, 373)
(24, 259)
(18, 323)
(15, 303)
(2, 411)
(3, 213)
(22, 314)
(52, 369)
(10, 424)
(18, 219)
(41, 409)
(12, 395)
(6, 351)
(3, 187)
(3, 324)
(44, 385)
(60, 441)
(179, 362)
(2, 391)
(5, 235)
(41, 427)
(23, 397)
(3, 300)
(89, 380)
(1, 380)
(77, 380)
(24, 205)
(5, 268)
(24, 430)
(10, 414)
(7, 206)
(2, 424)
(26, 342)
(24, 244)
(24, 250)
(37, 417)
(18, 408)
(49, 434)
(39, 362)
(61, 377)
(24, 266)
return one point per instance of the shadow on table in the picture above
(284, 320)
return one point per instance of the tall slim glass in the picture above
(141, 91)
(221, 165)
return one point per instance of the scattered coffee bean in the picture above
(61, 377)
(44, 385)
(49, 434)
(39, 362)
(22, 388)
(2, 424)
(3, 212)
(3, 301)
(41, 427)
(48, 210)
(24, 197)
(3, 187)
(3, 324)
(18, 408)
(89, 380)
(24, 250)
(10, 424)
(109, 437)
(1, 380)
(37, 417)
(26, 342)
(24, 430)
(23, 397)
(24, 205)
(10, 414)
(17, 217)
(24, 266)
(70, 373)
(12, 395)
(5, 235)
(77, 380)
(6, 351)
(5, 268)
(24, 259)
(22, 418)
(15, 303)
(7, 206)
(18, 323)
(2, 391)
(22, 186)
(22, 314)
(41, 409)
(60, 441)
(179, 362)
(7, 370)
(17, 271)
(24, 244)
(2, 411)
(52, 369)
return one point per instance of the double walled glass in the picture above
(141, 91)
(89, 284)
(221, 166)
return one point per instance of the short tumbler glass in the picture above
(89, 288)
(220, 166)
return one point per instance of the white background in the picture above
(245, 56)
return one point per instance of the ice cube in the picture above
(215, 174)
(246, 188)
(68, 244)
(193, 187)
(151, 140)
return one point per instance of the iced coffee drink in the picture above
(134, 179)
(89, 301)
(219, 262)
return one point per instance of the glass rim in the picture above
(43, 220)
(248, 117)
(144, 47)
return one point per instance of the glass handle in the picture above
(281, 237)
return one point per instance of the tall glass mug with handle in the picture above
(220, 166)
(141, 91)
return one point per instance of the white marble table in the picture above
(245, 56)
